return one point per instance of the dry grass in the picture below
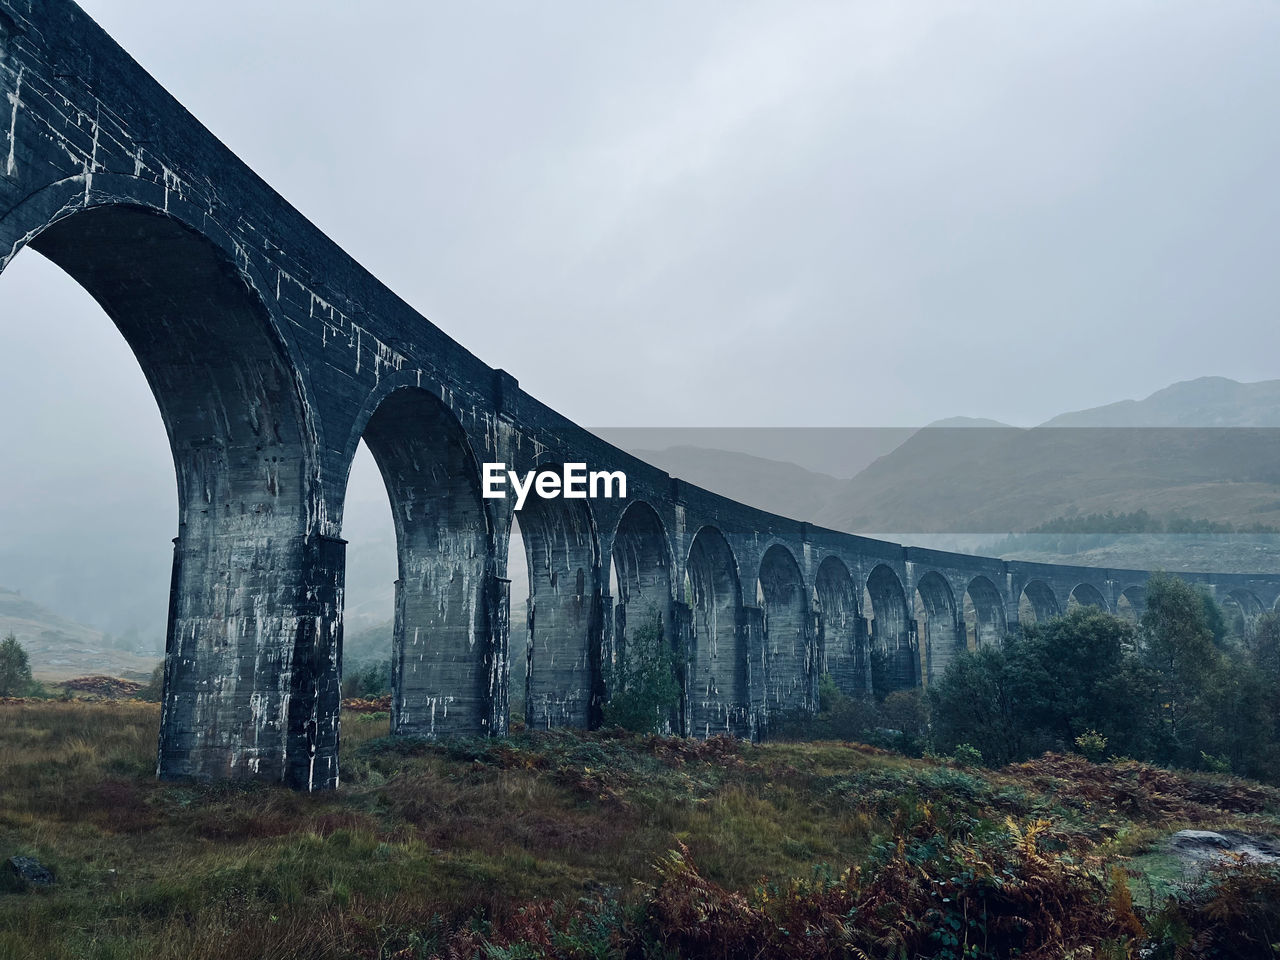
(426, 845)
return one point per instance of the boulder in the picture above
(32, 871)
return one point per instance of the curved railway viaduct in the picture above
(271, 354)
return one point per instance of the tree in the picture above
(1073, 674)
(907, 712)
(644, 692)
(973, 704)
(153, 692)
(368, 680)
(1215, 618)
(15, 668)
(1245, 707)
(1178, 647)
(1078, 681)
(1060, 680)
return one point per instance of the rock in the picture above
(1208, 845)
(32, 871)
(1200, 838)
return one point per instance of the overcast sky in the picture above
(779, 213)
(719, 214)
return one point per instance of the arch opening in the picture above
(640, 583)
(718, 700)
(984, 616)
(941, 638)
(789, 662)
(895, 656)
(369, 598)
(1087, 595)
(842, 640)
(1037, 603)
(1131, 604)
(520, 619)
(1242, 608)
(563, 622)
(448, 667)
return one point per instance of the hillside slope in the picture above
(1203, 402)
(772, 485)
(60, 648)
(1005, 479)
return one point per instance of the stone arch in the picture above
(1131, 603)
(641, 576)
(718, 697)
(1242, 609)
(940, 637)
(1037, 603)
(984, 616)
(447, 672)
(895, 658)
(245, 463)
(843, 647)
(565, 618)
(789, 664)
(1087, 595)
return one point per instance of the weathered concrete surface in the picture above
(446, 661)
(842, 634)
(789, 639)
(271, 354)
(565, 620)
(716, 690)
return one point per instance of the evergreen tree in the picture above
(1178, 647)
(15, 668)
(644, 689)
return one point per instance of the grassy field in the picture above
(604, 845)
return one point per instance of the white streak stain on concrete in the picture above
(15, 101)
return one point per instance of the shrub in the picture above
(644, 691)
(1235, 913)
(1092, 745)
(839, 717)
(1215, 764)
(967, 755)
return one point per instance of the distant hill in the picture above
(1002, 480)
(772, 485)
(966, 423)
(61, 649)
(830, 451)
(1169, 454)
(1232, 553)
(1204, 402)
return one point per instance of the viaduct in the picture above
(272, 354)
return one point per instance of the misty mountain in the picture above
(1204, 402)
(1203, 449)
(772, 485)
(830, 451)
(61, 648)
(951, 480)
(779, 475)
